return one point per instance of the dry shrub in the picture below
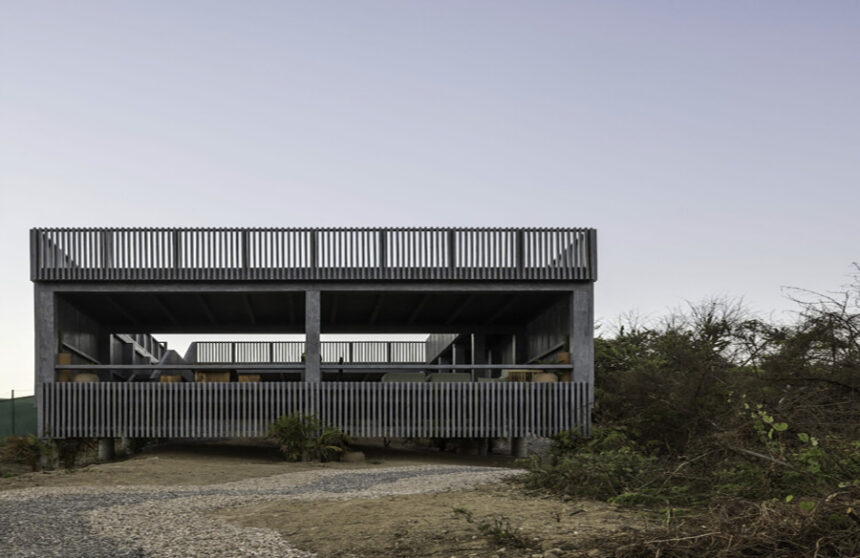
(745, 433)
(24, 449)
(821, 528)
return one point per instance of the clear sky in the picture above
(715, 145)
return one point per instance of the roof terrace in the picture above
(313, 254)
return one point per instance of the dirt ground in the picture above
(202, 463)
(495, 520)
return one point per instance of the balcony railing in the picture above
(255, 254)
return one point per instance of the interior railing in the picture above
(352, 352)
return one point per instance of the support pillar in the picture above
(520, 347)
(519, 447)
(582, 344)
(479, 355)
(47, 346)
(312, 336)
(106, 448)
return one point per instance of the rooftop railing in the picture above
(257, 254)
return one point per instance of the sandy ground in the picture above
(217, 462)
(492, 520)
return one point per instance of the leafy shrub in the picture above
(302, 438)
(331, 444)
(497, 528)
(606, 467)
(24, 449)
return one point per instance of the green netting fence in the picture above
(17, 416)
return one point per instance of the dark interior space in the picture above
(341, 311)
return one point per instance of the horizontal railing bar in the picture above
(324, 366)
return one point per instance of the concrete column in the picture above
(47, 345)
(312, 336)
(126, 444)
(106, 452)
(519, 447)
(582, 335)
(582, 346)
(479, 354)
(521, 347)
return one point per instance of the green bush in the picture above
(302, 438)
(24, 449)
(607, 467)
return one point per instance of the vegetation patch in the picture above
(741, 434)
(302, 438)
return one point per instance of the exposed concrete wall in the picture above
(80, 335)
(437, 343)
(549, 332)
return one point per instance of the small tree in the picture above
(302, 438)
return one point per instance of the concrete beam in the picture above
(282, 327)
(312, 336)
(301, 286)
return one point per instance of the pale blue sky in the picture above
(715, 147)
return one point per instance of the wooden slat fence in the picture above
(230, 254)
(361, 409)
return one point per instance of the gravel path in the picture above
(150, 521)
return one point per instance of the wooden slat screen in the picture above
(361, 409)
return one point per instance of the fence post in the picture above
(452, 248)
(246, 252)
(521, 254)
(314, 255)
(177, 253)
(13, 412)
(383, 252)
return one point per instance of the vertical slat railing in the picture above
(360, 409)
(313, 254)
